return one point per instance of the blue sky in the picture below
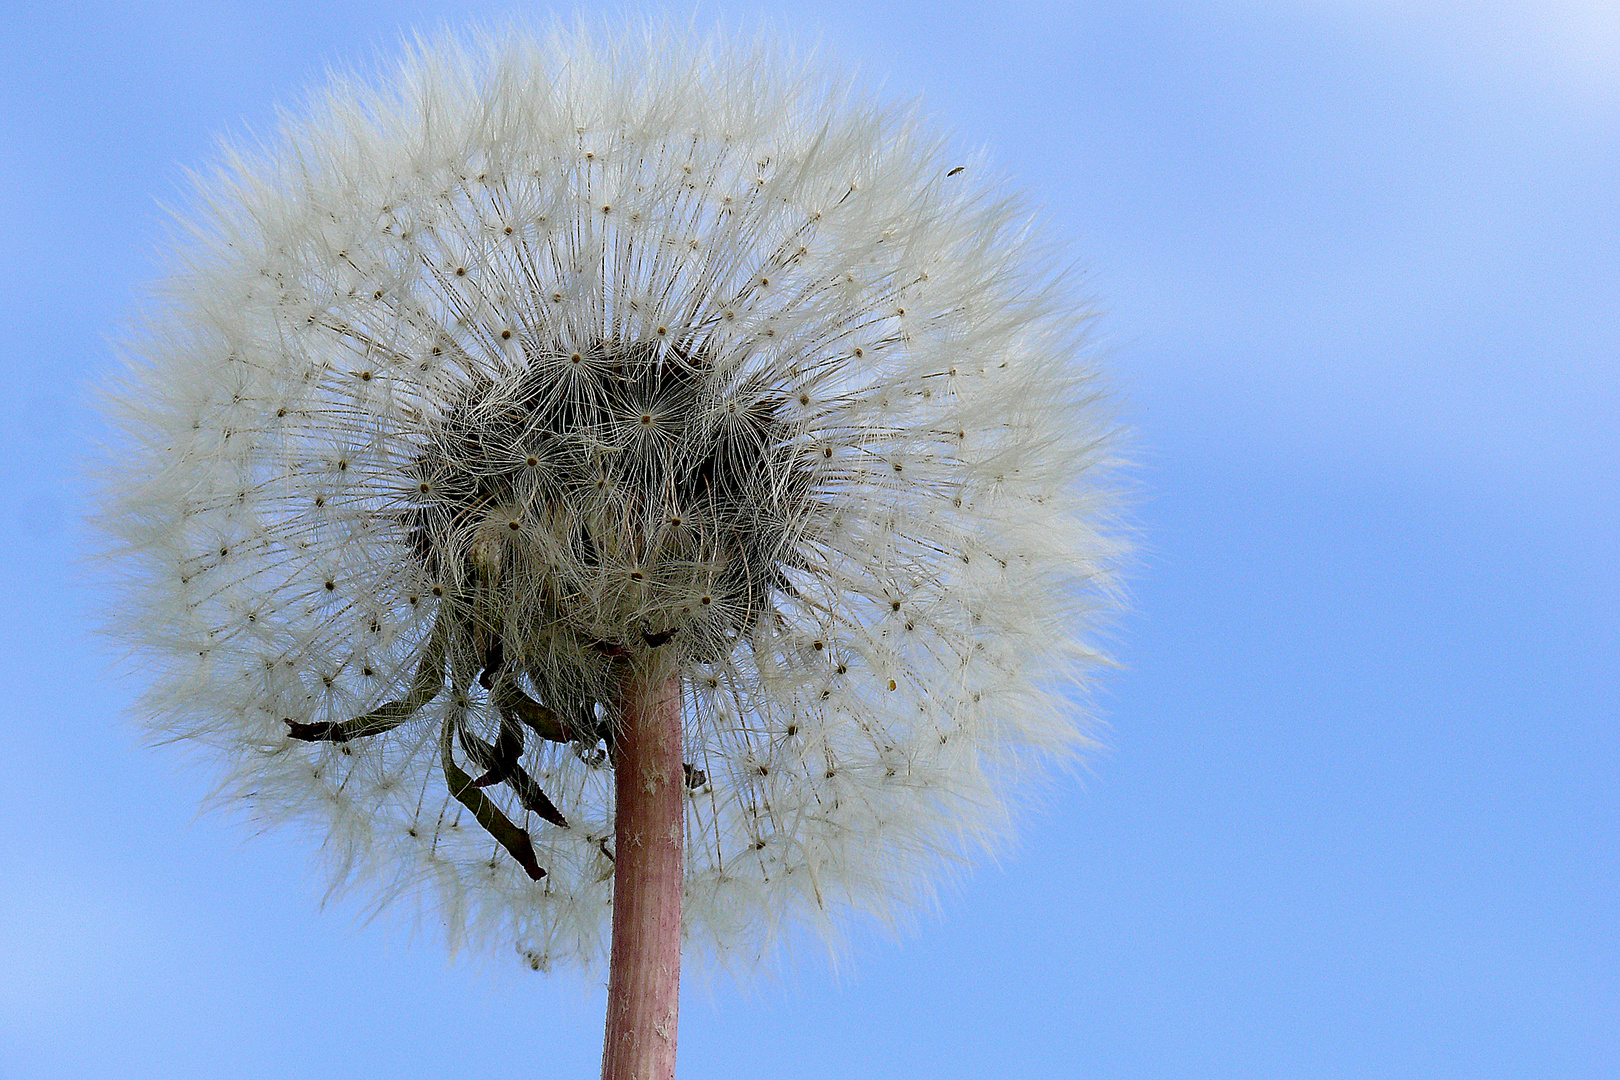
(1360, 806)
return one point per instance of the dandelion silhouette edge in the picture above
(555, 357)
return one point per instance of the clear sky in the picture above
(1359, 815)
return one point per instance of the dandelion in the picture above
(587, 474)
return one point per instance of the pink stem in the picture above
(644, 981)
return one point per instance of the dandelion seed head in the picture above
(554, 357)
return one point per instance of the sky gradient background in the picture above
(1360, 806)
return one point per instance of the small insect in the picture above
(956, 170)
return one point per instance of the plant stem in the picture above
(644, 980)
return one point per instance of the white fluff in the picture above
(922, 486)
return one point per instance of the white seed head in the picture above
(558, 357)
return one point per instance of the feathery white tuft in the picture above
(560, 356)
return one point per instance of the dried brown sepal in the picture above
(425, 686)
(501, 763)
(515, 840)
(511, 701)
(498, 760)
(654, 640)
